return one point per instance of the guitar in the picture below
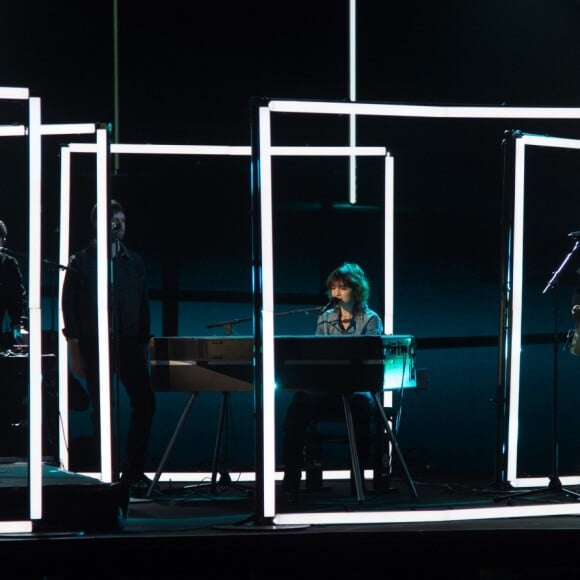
(573, 337)
(573, 341)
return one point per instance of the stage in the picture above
(92, 529)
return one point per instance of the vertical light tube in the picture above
(269, 381)
(352, 50)
(103, 305)
(352, 94)
(64, 253)
(23, 526)
(389, 267)
(516, 314)
(116, 116)
(34, 309)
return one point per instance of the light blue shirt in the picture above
(366, 321)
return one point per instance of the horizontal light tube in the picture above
(14, 93)
(245, 476)
(545, 141)
(13, 131)
(329, 151)
(245, 151)
(543, 481)
(437, 515)
(68, 129)
(23, 527)
(387, 110)
(180, 149)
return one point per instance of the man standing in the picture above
(130, 334)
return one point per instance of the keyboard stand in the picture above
(169, 448)
(360, 495)
(394, 443)
(225, 476)
(217, 449)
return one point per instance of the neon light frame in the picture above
(146, 149)
(35, 478)
(267, 509)
(34, 131)
(104, 388)
(522, 142)
(390, 110)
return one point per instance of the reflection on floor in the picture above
(193, 530)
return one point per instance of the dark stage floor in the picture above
(186, 531)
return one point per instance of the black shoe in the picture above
(290, 485)
(382, 483)
(314, 476)
(287, 493)
(291, 481)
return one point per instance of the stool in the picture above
(312, 451)
(315, 440)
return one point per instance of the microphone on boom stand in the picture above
(331, 304)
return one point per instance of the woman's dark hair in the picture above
(353, 276)
(114, 208)
(3, 230)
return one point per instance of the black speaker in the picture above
(14, 411)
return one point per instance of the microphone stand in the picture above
(43, 260)
(555, 485)
(227, 324)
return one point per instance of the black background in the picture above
(188, 73)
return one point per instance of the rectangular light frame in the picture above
(34, 131)
(35, 479)
(64, 253)
(522, 142)
(267, 509)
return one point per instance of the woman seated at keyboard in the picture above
(347, 314)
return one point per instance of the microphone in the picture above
(574, 235)
(115, 225)
(331, 304)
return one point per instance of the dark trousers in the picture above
(306, 407)
(131, 360)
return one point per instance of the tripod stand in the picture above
(554, 485)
